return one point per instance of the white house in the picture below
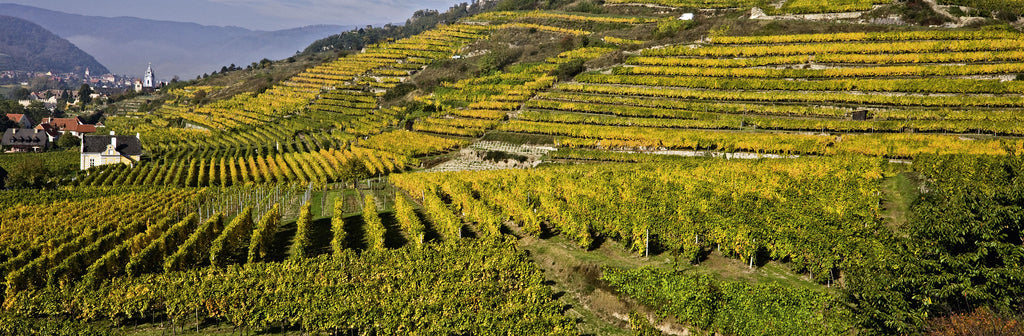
(98, 150)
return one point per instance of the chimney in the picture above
(111, 132)
(113, 141)
(138, 136)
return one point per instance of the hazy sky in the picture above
(252, 14)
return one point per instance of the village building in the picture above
(51, 132)
(50, 103)
(98, 150)
(148, 82)
(20, 119)
(74, 126)
(80, 130)
(25, 140)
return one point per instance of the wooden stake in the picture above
(647, 243)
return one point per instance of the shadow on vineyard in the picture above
(355, 233)
(393, 237)
(282, 240)
(429, 233)
(320, 237)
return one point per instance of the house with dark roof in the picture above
(25, 140)
(20, 119)
(98, 150)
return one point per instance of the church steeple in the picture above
(149, 81)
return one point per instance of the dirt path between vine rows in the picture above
(575, 276)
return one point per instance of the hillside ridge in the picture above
(29, 47)
(128, 44)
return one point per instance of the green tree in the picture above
(959, 249)
(84, 93)
(29, 173)
(199, 97)
(36, 111)
(11, 106)
(22, 93)
(498, 58)
(4, 122)
(68, 141)
(62, 98)
(568, 70)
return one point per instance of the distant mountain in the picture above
(127, 44)
(26, 46)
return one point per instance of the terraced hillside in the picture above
(914, 92)
(560, 168)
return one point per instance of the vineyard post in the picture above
(752, 254)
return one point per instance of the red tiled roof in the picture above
(15, 117)
(63, 123)
(82, 128)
